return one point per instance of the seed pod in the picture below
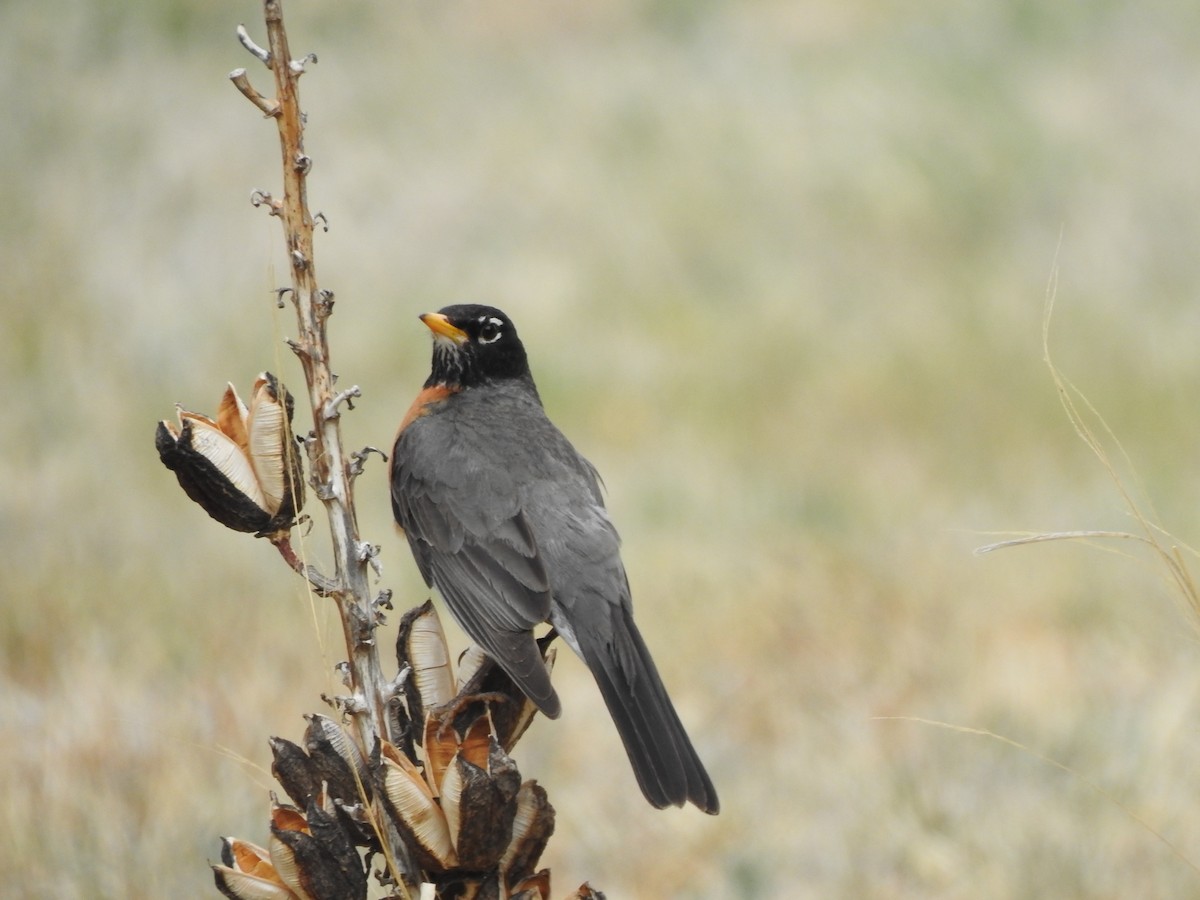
(333, 867)
(421, 645)
(336, 759)
(416, 813)
(462, 727)
(313, 857)
(440, 744)
(294, 770)
(240, 886)
(470, 661)
(532, 826)
(243, 467)
(247, 873)
(480, 805)
(308, 869)
(287, 820)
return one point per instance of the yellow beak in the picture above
(441, 327)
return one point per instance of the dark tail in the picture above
(667, 768)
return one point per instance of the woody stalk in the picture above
(331, 470)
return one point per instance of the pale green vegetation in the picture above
(781, 270)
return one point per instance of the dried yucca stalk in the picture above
(414, 770)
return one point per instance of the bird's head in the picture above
(474, 345)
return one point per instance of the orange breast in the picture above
(428, 397)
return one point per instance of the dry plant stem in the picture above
(349, 585)
(269, 107)
(321, 586)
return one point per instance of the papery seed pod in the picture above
(415, 812)
(447, 734)
(247, 873)
(243, 467)
(480, 805)
(272, 446)
(440, 743)
(421, 645)
(294, 770)
(337, 759)
(348, 877)
(287, 820)
(470, 661)
(309, 870)
(477, 744)
(532, 827)
(243, 855)
(240, 886)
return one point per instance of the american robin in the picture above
(507, 520)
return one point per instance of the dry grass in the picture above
(781, 272)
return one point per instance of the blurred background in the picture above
(782, 271)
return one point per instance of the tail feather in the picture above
(666, 766)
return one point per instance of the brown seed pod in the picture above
(480, 806)
(531, 830)
(243, 467)
(415, 811)
(421, 645)
(336, 759)
(248, 874)
(293, 769)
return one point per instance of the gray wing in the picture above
(463, 521)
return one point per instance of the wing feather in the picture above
(473, 542)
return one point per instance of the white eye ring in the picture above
(495, 323)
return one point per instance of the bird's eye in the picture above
(490, 331)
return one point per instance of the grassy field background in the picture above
(781, 269)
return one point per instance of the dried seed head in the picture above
(247, 873)
(415, 811)
(532, 826)
(240, 886)
(480, 806)
(440, 745)
(470, 661)
(287, 824)
(243, 467)
(329, 864)
(293, 769)
(336, 759)
(421, 645)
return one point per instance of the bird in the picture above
(507, 520)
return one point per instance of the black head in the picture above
(474, 345)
